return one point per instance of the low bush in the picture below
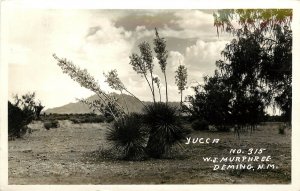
(200, 125)
(51, 124)
(128, 136)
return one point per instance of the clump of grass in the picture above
(165, 128)
(128, 136)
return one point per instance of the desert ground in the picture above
(78, 154)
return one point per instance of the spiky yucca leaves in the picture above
(128, 136)
(165, 128)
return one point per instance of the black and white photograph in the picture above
(189, 96)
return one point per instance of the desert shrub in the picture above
(51, 124)
(128, 136)
(281, 129)
(18, 120)
(200, 125)
(165, 128)
(21, 112)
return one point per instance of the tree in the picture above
(212, 102)
(271, 30)
(241, 71)
(255, 71)
(259, 20)
(181, 79)
(161, 55)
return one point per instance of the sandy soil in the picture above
(75, 154)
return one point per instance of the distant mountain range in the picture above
(132, 103)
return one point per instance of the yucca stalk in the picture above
(146, 55)
(157, 82)
(87, 81)
(161, 55)
(141, 68)
(113, 80)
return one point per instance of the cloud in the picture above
(106, 32)
(34, 36)
(93, 30)
(203, 55)
(193, 19)
(108, 48)
(175, 59)
(101, 40)
(149, 18)
(193, 24)
(180, 24)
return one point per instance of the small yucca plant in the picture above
(165, 128)
(128, 136)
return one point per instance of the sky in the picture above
(102, 40)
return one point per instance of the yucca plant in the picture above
(128, 135)
(165, 128)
